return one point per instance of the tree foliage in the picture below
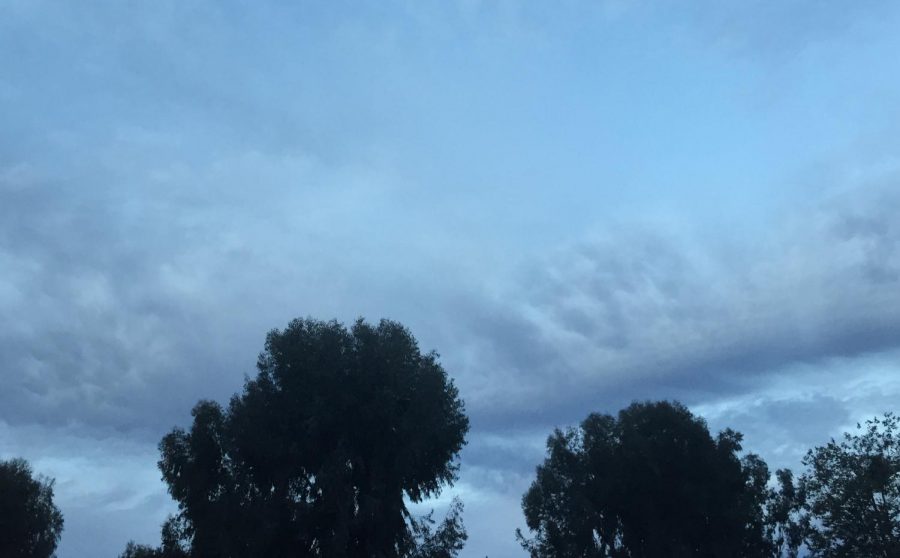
(318, 453)
(786, 524)
(651, 482)
(443, 541)
(174, 543)
(30, 523)
(850, 494)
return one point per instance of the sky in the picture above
(577, 204)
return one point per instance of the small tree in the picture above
(851, 493)
(30, 524)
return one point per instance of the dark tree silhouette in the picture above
(30, 524)
(446, 540)
(786, 523)
(174, 543)
(850, 494)
(652, 482)
(315, 456)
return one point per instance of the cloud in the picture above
(642, 314)
(116, 288)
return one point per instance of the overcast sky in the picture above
(577, 204)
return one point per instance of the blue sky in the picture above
(577, 204)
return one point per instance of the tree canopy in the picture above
(850, 495)
(318, 453)
(30, 523)
(651, 482)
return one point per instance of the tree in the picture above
(651, 482)
(174, 539)
(133, 550)
(30, 524)
(851, 493)
(318, 453)
(445, 541)
(786, 523)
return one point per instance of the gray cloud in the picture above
(639, 315)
